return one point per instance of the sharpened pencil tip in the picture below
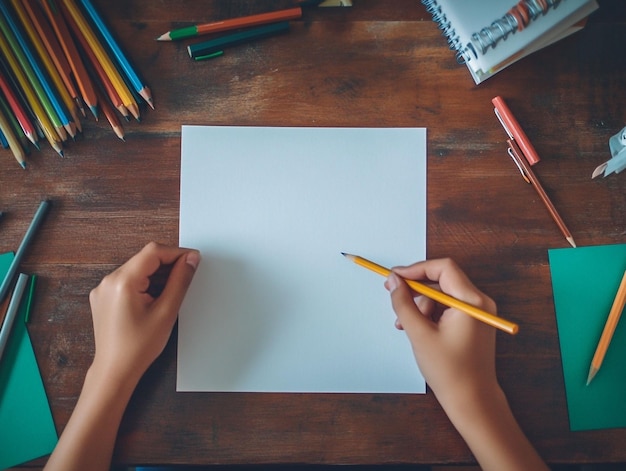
(571, 241)
(592, 373)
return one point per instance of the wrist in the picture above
(109, 382)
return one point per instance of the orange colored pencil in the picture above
(609, 329)
(110, 115)
(71, 53)
(232, 23)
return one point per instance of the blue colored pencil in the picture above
(128, 70)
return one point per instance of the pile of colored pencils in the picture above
(57, 58)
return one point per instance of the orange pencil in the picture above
(69, 49)
(110, 115)
(232, 23)
(609, 329)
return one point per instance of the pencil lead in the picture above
(592, 373)
(571, 241)
(23, 165)
(79, 103)
(94, 111)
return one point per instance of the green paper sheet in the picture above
(26, 427)
(585, 281)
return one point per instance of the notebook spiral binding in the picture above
(516, 19)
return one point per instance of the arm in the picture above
(456, 355)
(131, 329)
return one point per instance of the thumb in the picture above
(413, 321)
(178, 282)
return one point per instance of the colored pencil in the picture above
(125, 65)
(443, 298)
(111, 116)
(230, 24)
(19, 254)
(609, 330)
(71, 54)
(80, 25)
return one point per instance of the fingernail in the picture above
(193, 259)
(392, 282)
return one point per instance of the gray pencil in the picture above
(30, 232)
(12, 311)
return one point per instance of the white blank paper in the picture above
(274, 306)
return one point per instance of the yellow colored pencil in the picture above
(609, 328)
(71, 11)
(46, 125)
(443, 298)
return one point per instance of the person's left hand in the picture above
(131, 327)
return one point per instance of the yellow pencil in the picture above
(443, 298)
(609, 329)
(75, 17)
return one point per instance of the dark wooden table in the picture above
(379, 63)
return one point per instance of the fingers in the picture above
(178, 282)
(451, 279)
(410, 318)
(147, 261)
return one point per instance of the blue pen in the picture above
(26, 58)
(119, 55)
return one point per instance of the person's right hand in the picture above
(455, 352)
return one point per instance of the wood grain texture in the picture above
(378, 63)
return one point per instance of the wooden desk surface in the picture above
(378, 63)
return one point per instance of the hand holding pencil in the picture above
(456, 355)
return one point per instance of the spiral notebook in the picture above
(486, 34)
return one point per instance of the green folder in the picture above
(26, 427)
(585, 281)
